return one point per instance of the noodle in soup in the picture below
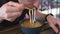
(29, 25)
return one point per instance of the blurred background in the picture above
(50, 6)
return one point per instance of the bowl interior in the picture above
(26, 23)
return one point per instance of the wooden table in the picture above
(15, 30)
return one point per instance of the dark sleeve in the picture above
(2, 2)
(5, 1)
(13, 0)
(6, 23)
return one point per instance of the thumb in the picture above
(21, 6)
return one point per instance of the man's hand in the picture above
(11, 10)
(52, 22)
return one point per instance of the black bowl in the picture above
(27, 30)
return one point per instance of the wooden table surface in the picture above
(15, 30)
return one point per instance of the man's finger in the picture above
(15, 14)
(58, 22)
(10, 9)
(14, 4)
(11, 3)
(54, 28)
(11, 19)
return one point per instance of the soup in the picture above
(29, 25)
